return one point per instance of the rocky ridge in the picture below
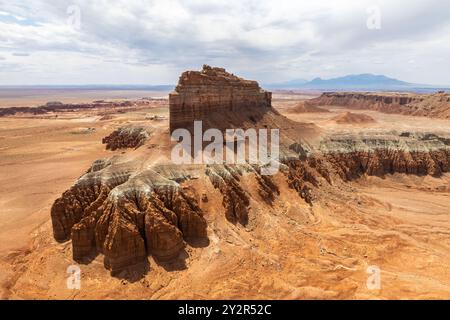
(212, 90)
(127, 209)
(126, 137)
(426, 105)
(55, 107)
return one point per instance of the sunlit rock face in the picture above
(200, 93)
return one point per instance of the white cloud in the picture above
(153, 41)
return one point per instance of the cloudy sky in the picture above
(152, 41)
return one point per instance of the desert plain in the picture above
(291, 248)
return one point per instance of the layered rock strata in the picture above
(127, 214)
(127, 219)
(126, 137)
(200, 93)
(427, 105)
(344, 158)
(378, 155)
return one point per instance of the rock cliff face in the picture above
(428, 105)
(345, 158)
(378, 155)
(211, 90)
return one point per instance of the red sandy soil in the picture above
(289, 250)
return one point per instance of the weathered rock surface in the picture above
(420, 154)
(129, 207)
(427, 105)
(346, 158)
(126, 137)
(303, 107)
(200, 93)
(127, 219)
(235, 198)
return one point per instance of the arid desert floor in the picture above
(290, 250)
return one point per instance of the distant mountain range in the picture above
(359, 82)
(367, 82)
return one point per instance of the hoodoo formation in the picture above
(212, 90)
(137, 204)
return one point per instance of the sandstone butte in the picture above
(200, 93)
(136, 204)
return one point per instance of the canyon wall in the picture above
(200, 93)
(427, 105)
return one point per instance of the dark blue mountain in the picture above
(351, 82)
(356, 81)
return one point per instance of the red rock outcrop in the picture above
(130, 207)
(346, 158)
(268, 190)
(127, 214)
(427, 105)
(127, 219)
(235, 199)
(384, 161)
(127, 137)
(200, 93)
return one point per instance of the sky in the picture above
(151, 42)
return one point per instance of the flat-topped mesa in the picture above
(425, 105)
(374, 98)
(200, 93)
